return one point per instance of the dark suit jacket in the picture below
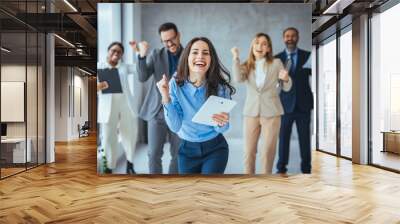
(153, 65)
(300, 94)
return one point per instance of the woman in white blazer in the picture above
(117, 109)
(264, 77)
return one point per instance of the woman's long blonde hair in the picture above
(250, 62)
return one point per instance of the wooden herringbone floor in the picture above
(70, 191)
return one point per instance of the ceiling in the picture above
(76, 22)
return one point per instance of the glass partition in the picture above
(22, 78)
(327, 96)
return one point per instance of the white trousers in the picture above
(123, 123)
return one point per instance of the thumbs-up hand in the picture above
(163, 87)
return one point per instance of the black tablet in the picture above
(111, 76)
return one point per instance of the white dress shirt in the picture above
(260, 73)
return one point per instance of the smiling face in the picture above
(114, 54)
(261, 47)
(171, 40)
(199, 59)
(291, 37)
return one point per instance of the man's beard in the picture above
(291, 45)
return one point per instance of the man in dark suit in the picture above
(297, 103)
(159, 62)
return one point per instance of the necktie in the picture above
(289, 63)
(292, 68)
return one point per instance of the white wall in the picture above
(33, 127)
(70, 84)
(16, 73)
(79, 117)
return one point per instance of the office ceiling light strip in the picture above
(65, 41)
(70, 5)
(5, 49)
(84, 71)
(337, 7)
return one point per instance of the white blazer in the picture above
(104, 101)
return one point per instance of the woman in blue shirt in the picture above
(200, 74)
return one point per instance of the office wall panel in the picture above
(12, 101)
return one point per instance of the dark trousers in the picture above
(157, 135)
(208, 157)
(302, 120)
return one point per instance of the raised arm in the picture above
(172, 110)
(239, 72)
(145, 65)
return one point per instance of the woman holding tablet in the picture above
(117, 108)
(200, 74)
(264, 77)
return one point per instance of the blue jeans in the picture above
(209, 157)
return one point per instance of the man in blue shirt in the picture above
(159, 62)
(297, 103)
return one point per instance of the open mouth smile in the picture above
(200, 64)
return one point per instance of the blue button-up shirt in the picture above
(186, 100)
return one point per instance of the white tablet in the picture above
(213, 105)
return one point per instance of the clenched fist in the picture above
(134, 45)
(163, 87)
(143, 48)
(283, 75)
(235, 52)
